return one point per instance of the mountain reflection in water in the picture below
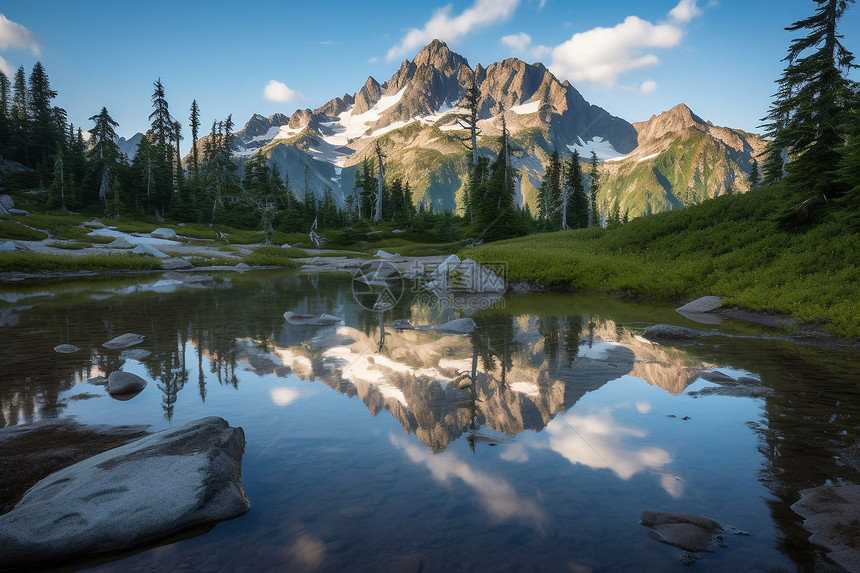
(535, 440)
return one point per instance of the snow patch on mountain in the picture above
(526, 108)
(348, 126)
(647, 157)
(602, 147)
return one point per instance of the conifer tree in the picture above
(469, 120)
(20, 120)
(549, 193)
(195, 131)
(811, 109)
(754, 177)
(575, 209)
(594, 185)
(104, 151)
(5, 134)
(162, 130)
(43, 132)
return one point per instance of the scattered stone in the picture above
(144, 249)
(175, 263)
(688, 531)
(124, 341)
(8, 247)
(401, 324)
(242, 267)
(94, 224)
(317, 262)
(18, 212)
(163, 233)
(311, 319)
(200, 280)
(120, 382)
(704, 304)
(135, 354)
(66, 348)
(6, 202)
(120, 498)
(458, 326)
(672, 333)
(832, 514)
(286, 246)
(383, 255)
(119, 243)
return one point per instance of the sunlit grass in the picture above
(730, 247)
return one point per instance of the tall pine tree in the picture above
(809, 116)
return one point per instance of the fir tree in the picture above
(44, 134)
(20, 120)
(195, 129)
(575, 211)
(811, 109)
(5, 133)
(469, 121)
(104, 152)
(594, 185)
(754, 177)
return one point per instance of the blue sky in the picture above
(633, 58)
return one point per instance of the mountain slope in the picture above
(681, 160)
(671, 160)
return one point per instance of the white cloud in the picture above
(443, 27)
(602, 55)
(6, 68)
(648, 86)
(14, 35)
(278, 91)
(517, 42)
(685, 11)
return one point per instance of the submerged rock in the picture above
(66, 348)
(704, 304)
(832, 514)
(124, 341)
(160, 485)
(311, 319)
(688, 531)
(660, 332)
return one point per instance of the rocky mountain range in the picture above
(672, 160)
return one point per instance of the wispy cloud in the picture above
(6, 68)
(16, 36)
(602, 55)
(648, 86)
(443, 26)
(518, 42)
(278, 91)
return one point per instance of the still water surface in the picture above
(531, 444)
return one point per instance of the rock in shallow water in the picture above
(660, 332)
(122, 383)
(162, 484)
(66, 348)
(124, 341)
(688, 531)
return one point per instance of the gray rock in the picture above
(66, 348)
(94, 224)
(660, 332)
(120, 382)
(8, 247)
(688, 531)
(18, 212)
(242, 267)
(144, 249)
(832, 514)
(704, 304)
(124, 341)
(458, 326)
(163, 484)
(163, 233)
(311, 319)
(119, 243)
(200, 280)
(174, 263)
(6, 202)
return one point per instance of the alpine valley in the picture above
(672, 160)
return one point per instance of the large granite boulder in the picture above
(163, 233)
(166, 483)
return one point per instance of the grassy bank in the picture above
(34, 262)
(731, 246)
